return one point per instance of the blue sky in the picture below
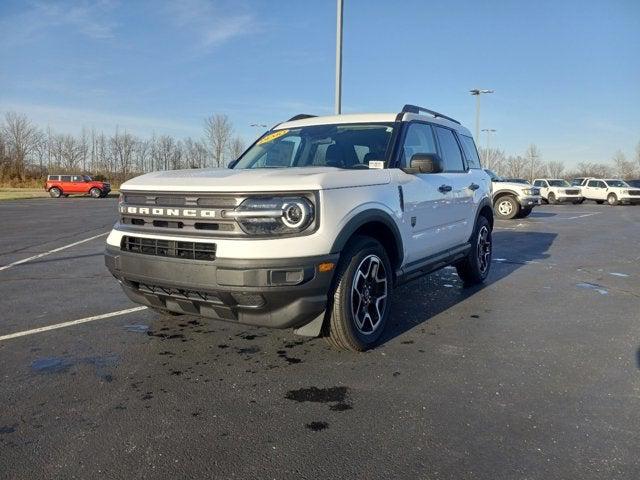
(566, 74)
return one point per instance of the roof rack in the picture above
(301, 116)
(415, 109)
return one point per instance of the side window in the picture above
(451, 155)
(602, 185)
(419, 139)
(470, 151)
(76, 178)
(65, 178)
(592, 183)
(537, 183)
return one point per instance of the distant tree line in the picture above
(28, 153)
(531, 165)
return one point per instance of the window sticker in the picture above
(272, 136)
(378, 164)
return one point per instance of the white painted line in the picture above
(44, 254)
(72, 322)
(581, 216)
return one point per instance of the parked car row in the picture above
(65, 185)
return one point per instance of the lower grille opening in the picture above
(206, 226)
(167, 224)
(169, 248)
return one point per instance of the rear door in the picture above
(456, 176)
(66, 184)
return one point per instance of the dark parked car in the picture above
(518, 180)
(634, 183)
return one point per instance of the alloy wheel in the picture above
(369, 294)
(505, 207)
(484, 249)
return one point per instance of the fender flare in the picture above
(485, 202)
(362, 218)
(506, 190)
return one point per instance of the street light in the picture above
(477, 92)
(489, 132)
(338, 99)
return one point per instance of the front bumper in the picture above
(529, 202)
(280, 293)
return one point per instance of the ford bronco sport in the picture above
(312, 227)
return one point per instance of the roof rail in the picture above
(415, 109)
(301, 116)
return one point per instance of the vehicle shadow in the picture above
(535, 214)
(417, 302)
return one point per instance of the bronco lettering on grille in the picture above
(169, 212)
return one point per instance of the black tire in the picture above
(612, 199)
(577, 202)
(475, 268)
(95, 192)
(551, 198)
(361, 299)
(599, 202)
(506, 207)
(55, 192)
(524, 212)
(581, 201)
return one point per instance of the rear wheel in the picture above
(475, 267)
(612, 199)
(361, 298)
(55, 192)
(552, 199)
(95, 192)
(506, 207)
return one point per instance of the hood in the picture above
(510, 186)
(256, 180)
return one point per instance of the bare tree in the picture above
(70, 152)
(122, 145)
(218, 131)
(516, 167)
(532, 154)
(20, 136)
(236, 148)
(624, 168)
(555, 169)
(493, 159)
(194, 152)
(588, 169)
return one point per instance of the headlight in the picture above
(528, 191)
(274, 215)
(624, 192)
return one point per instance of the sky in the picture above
(566, 74)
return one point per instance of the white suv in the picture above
(612, 191)
(512, 199)
(557, 190)
(312, 227)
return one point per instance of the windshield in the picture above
(341, 146)
(576, 182)
(616, 183)
(559, 183)
(494, 176)
(87, 178)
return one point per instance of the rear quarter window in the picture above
(470, 151)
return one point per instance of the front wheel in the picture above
(612, 199)
(474, 269)
(362, 296)
(506, 207)
(524, 212)
(95, 192)
(552, 199)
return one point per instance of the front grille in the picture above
(193, 295)
(169, 248)
(572, 192)
(535, 191)
(634, 192)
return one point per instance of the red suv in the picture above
(65, 185)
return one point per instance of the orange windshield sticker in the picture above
(272, 136)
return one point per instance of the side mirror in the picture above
(232, 163)
(425, 163)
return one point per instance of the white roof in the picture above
(370, 118)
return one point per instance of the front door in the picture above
(428, 201)
(78, 184)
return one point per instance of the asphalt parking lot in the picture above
(536, 375)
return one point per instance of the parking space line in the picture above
(70, 323)
(583, 215)
(55, 250)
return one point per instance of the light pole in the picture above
(489, 132)
(477, 92)
(338, 99)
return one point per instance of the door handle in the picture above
(474, 186)
(445, 188)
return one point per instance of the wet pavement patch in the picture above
(136, 328)
(51, 365)
(287, 358)
(101, 363)
(7, 429)
(317, 426)
(336, 395)
(593, 286)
